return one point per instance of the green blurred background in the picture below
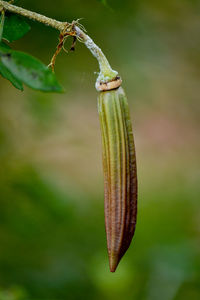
(52, 236)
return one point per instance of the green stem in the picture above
(2, 23)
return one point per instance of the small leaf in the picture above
(30, 71)
(15, 27)
(6, 73)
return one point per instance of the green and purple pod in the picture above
(120, 175)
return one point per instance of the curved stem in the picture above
(106, 73)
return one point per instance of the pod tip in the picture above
(113, 262)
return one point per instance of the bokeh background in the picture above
(52, 236)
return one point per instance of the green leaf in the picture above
(15, 27)
(30, 71)
(6, 73)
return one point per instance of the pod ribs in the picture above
(120, 176)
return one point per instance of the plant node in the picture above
(64, 34)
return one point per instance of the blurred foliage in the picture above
(52, 237)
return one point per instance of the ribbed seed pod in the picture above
(120, 177)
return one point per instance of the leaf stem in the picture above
(106, 73)
(2, 23)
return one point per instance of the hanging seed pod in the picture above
(119, 164)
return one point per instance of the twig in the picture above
(32, 15)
